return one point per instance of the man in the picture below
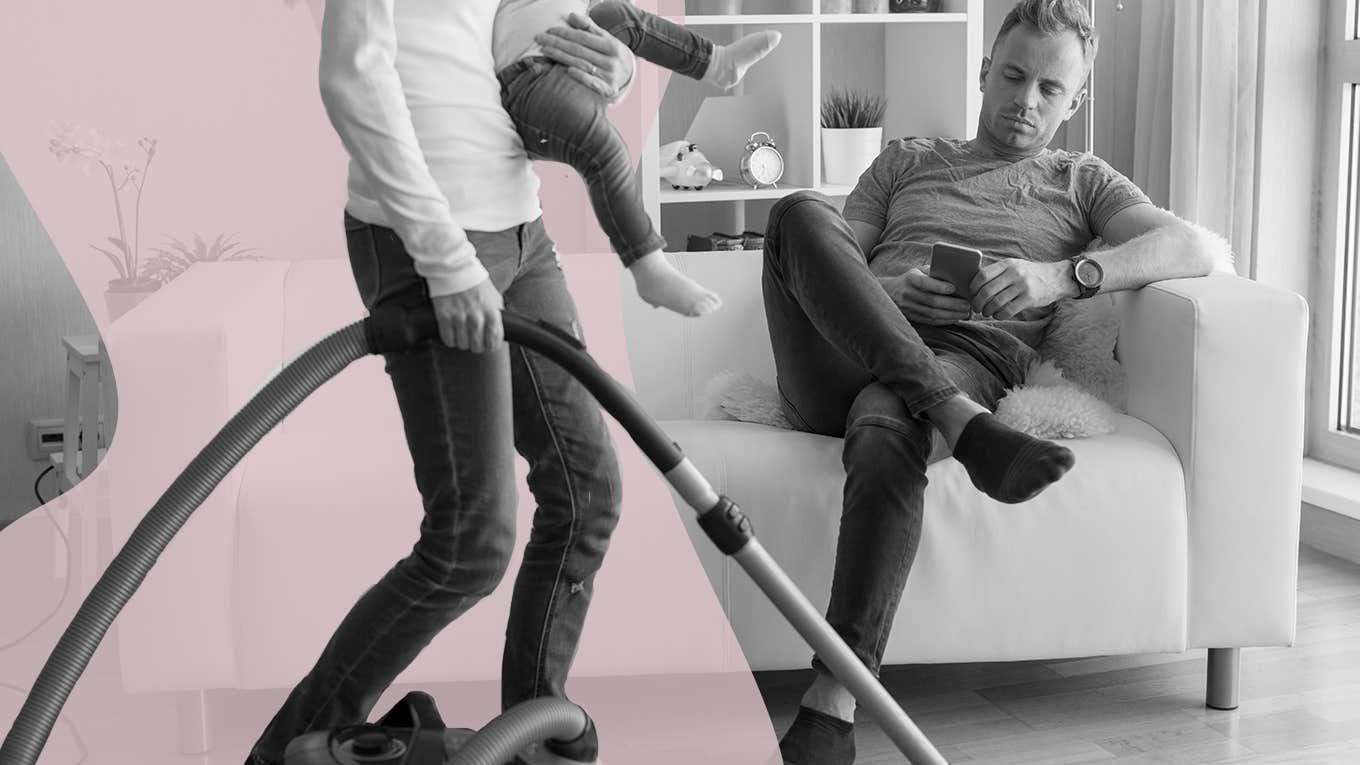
(443, 212)
(868, 346)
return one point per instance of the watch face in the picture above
(1088, 273)
(766, 166)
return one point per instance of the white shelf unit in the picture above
(925, 64)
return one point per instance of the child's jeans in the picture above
(561, 120)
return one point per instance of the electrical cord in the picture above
(66, 587)
(38, 481)
(65, 593)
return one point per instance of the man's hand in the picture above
(924, 299)
(471, 319)
(1005, 288)
(593, 56)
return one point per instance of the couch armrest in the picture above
(184, 362)
(1217, 365)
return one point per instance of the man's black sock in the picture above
(816, 738)
(1007, 465)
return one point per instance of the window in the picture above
(1335, 415)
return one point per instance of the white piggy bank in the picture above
(686, 167)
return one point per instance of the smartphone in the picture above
(956, 265)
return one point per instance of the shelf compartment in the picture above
(709, 20)
(893, 18)
(723, 192)
(835, 190)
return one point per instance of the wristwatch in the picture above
(1088, 275)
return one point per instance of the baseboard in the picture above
(1330, 532)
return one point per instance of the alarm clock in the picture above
(761, 165)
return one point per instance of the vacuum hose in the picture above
(385, 331)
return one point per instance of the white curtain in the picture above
(1195, 129)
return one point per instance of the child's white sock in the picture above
(729, 63)
(662, 286)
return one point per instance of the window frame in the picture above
(1339, 229)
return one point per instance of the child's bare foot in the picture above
(729, 63)
(662, 286)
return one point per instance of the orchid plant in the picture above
(91, 150)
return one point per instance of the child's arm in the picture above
(364, 100)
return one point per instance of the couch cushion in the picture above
(1095, 565)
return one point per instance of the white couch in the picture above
(1178, 531)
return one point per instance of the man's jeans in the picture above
(465, 414)
(559, 119)
(850, 364)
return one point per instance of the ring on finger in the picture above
(594, 72)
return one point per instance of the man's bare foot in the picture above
(662, 286)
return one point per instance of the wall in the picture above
(39, 303)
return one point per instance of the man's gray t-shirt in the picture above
(1045, 208)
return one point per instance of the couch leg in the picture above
(1222, 685)
(194, 735)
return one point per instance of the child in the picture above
(560, 119)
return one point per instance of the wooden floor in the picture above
(1298, 705)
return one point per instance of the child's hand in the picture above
(471, 319)
(592, 55)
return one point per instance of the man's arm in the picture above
(364, 100)
(1149, 245)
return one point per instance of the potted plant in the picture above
(852, 134)
(168, 262)
(92, 151)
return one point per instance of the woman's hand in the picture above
(593, 56)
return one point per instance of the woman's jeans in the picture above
(465, 416)
(850, 364)
(559, 119)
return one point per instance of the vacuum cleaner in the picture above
(412, 733)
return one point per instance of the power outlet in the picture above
(46, 437)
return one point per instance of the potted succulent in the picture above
(852, 134)
(168, 262)
(91, 151)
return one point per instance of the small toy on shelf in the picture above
(686, 167)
